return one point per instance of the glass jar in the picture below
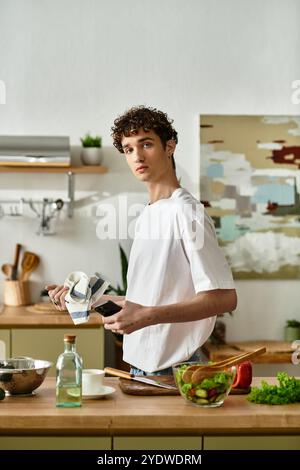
(69, 375)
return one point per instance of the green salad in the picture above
(210, 390)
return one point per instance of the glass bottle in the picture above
(69, 375)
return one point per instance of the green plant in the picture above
(293, 323)
(120, 290)
(90, 141)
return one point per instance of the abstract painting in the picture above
(250, 185)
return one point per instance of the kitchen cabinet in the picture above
(150, 443)
(40, 336)
(55, 443)
(251, 442)
(5, 350)
(157, 443)
(48, 344)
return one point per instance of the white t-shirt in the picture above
(168, 265)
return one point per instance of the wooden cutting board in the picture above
(44, 307)
(132, 387)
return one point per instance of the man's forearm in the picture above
(134, 316)
(203, 305)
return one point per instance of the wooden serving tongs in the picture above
(194, 373)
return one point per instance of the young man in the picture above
(178, 278)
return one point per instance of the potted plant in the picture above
(91, 153)
(292, 330)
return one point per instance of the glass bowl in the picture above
(209, 389)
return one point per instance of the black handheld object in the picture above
(107, 309)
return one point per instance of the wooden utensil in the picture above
(7, 269)
(30, 262)
(14, 275)
(217, 366)
(187, 375)
(131, 387)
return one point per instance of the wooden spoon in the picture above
(7, 269)
(30, 262)
(187, 375)
(14, 275)
(217, 366)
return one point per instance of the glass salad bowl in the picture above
(200, 385)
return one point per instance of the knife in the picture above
(126, 375)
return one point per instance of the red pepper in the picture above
(243, 376)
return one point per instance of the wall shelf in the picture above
(83, 169)
(70, 171)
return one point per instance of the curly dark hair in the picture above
(146, 118)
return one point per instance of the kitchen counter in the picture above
(20, 317)
(278, 352)
(129, 415)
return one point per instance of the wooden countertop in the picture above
(20, 317)
(121, 414)
(278, 352)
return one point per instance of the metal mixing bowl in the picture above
(22, 375)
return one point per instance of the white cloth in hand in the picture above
(83, 292)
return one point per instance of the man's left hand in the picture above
(132, 317)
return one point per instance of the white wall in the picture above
(72, 65)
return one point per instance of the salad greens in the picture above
(288, 391)
(211, 390)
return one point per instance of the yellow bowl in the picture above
(210, 390)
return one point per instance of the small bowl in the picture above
(20, 376)
(212, 389)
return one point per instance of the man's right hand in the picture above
(57, 295)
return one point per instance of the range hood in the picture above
(18, 150)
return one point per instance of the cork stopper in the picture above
(69, 338)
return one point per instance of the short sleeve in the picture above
(209, 267)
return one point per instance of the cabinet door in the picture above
(251, 443)
(47, 344)
(158, 443)
(55, 443)
(5, 351)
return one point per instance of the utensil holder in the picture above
(16, 293)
